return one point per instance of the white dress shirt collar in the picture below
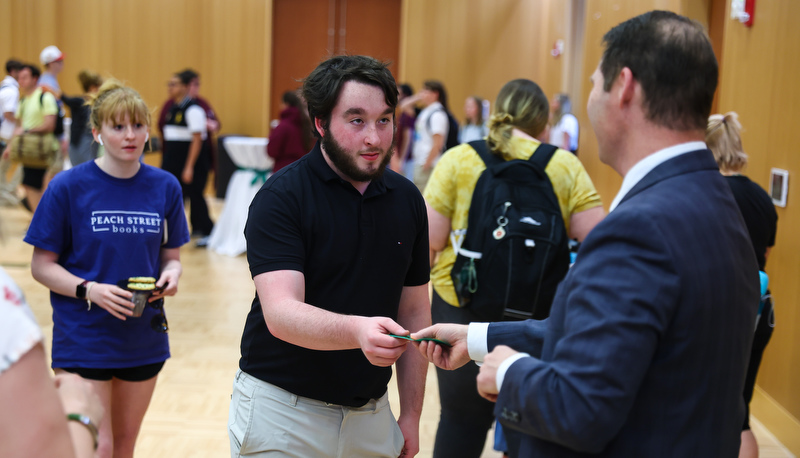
(646, 165)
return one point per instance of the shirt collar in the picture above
(318, 164)
(644, 166)
(33, 94)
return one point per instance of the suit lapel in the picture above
(685, 163)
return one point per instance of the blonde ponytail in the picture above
(499, 138)
(724, 141)
(520, 104)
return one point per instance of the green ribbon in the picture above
(261, 175)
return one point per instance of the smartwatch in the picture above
(80, 291)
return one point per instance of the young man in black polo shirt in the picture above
(338, 251)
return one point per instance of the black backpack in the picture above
(452, 131)
(515, 250)
(59, 116)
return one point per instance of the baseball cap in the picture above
(50, 54)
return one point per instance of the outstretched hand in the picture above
(380, 348)
(448, 358)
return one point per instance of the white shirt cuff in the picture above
(501, 371)
(477, 346)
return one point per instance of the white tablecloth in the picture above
(249, 154)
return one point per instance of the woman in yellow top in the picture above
(520, 117)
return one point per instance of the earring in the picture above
(99, 139)
(147, 137)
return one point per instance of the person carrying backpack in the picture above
(500, 225)
(431, 131)
(33, 143)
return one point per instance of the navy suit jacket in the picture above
(646, 347)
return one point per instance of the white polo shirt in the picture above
(9, 100)
(424, 130)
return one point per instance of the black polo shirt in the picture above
(356, 253)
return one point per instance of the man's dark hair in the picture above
(35, 72)
(437, 87)
(671, 57)
(322, 86)
(406, 90)
(13, 65)
(291, 99)
(186, 76)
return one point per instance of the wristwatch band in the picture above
(80, 291)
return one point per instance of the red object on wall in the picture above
(750, 9)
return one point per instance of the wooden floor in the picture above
(189, 410)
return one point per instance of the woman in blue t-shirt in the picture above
(97, 226)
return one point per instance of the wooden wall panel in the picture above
(306, 32)
(144, 42)
(373, 29)
(26, 24)
(297, 50)
(476, 46)
(759, 81)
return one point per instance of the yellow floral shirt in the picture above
(452, 182)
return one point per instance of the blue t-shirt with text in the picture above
(107, 229)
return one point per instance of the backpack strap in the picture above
(483, 152)
(41, 100)
(429, 121)
(542, 155)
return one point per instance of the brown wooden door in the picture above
(306, 32)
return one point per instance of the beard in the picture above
(346, 163)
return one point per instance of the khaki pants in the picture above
(267, 421)
(8, 187)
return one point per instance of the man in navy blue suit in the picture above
(645, 351)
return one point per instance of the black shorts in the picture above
(33, 178)
(128, 374)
